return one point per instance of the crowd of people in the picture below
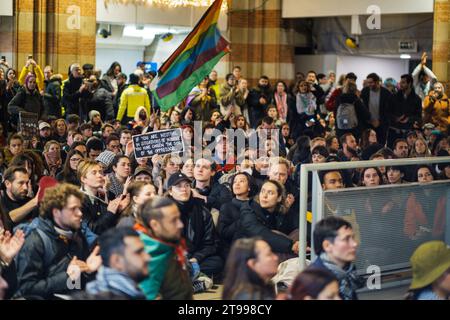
(83, 218)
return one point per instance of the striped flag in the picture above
(192, 61)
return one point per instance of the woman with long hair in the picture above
(243, 188)
(140, 192)
(420, 149)
(282, 100)
(69, 172)
(305, 108)
(315, 284)
(265, 216)
(250, 266)
(120, 177)
(368, 138)
(60, 131)
(52, 156)
(109, 81)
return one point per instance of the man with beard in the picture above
(55, 257)
(15, 204)
(160, 228)
(258, 101)
(406, 111)
(124, 265)
(349, 147)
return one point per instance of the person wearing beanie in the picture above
(431, 272)
(132, 98)
(95, 120)
(28, 99)
(105, 159)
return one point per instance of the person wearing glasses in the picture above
(69, 172)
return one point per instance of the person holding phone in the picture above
(32, 67)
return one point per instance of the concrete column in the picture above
(441, 40)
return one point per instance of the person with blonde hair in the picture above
(99, 213)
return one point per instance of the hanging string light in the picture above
(164, 3)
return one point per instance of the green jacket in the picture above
(167, 277)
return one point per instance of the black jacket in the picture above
(100, 100)
(97, 216)
(35, 277)
(362, 113)
(218, 194)
(385, 101)
(410, 107)
(257, 222)
(71, 95)
(228, 224)
(25, 101)
(198, 229)
(52, 97)
(256, 110)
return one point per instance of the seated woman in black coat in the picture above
(265, 217)
(69, 172)
(243, 188)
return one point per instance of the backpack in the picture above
(346, 118)
(49, 252)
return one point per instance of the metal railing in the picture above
(315, 168)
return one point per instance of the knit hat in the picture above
(106, 158)
(93, 113)
(45, 183)
(430, 261)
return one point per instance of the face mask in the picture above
(248, 170)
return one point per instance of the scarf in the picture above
(180, 248)
(116, 187)
(281, 105)
(348, 279)
(111, 280)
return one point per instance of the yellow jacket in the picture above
(131, 99)
(437, 112)
(39, 76)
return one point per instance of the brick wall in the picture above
(43, 29)
(261, 41)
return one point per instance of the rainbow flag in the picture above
(192, 61)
